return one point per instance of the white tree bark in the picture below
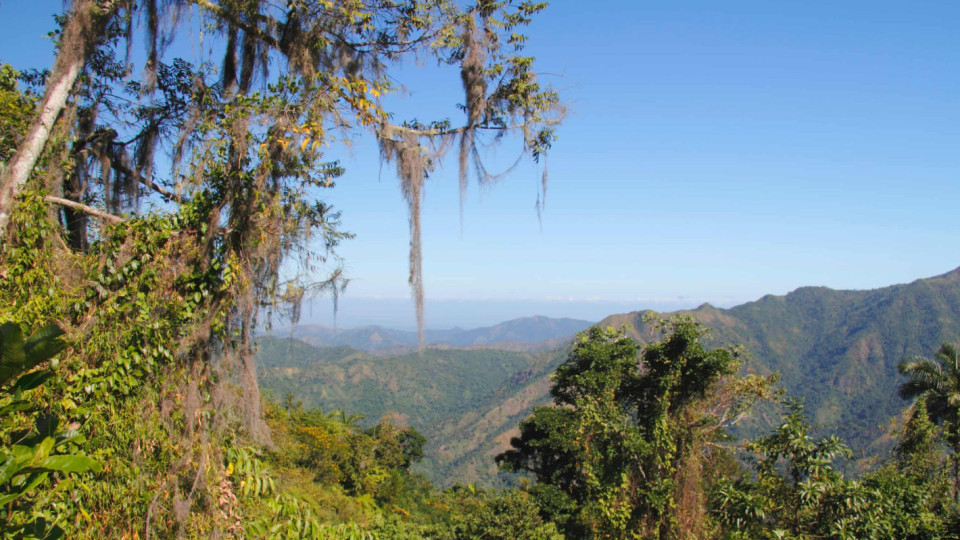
(83, 208)
(75, 45)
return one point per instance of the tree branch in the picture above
(84, 208)
(123, 168)
(387, 129)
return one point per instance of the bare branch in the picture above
(84, 208)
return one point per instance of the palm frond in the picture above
(937, 380)
(947, 355)
(926, 376)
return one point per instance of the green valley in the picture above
(838, 350)
(461, 400)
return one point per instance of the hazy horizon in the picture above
(444, 314)
(398, 313)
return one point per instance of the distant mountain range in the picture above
(836, 349)
(523, 334)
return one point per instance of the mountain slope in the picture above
(836, 349)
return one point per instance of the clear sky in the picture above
(715, 151)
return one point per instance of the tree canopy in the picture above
(625, 444)
(251, 128)
(161, 211)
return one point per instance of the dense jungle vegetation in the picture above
(132, 286)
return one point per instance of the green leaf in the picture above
(17, 355)
(12, 355)
(71, 464)
(21, 452)
(42, 450)
(9, 469)
(19, 405)
(32, 483)
(32, 380)
(44, 344)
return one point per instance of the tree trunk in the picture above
(74, 221)
(951, 428)
(77, 41)
(252, 412)
(955, 458)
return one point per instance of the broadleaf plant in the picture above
(28, 457)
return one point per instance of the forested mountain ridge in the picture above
(525, 333)
(837, 349)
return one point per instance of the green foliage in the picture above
(837, 350)
(909, 506)
(337, 452)
(16, 111)
(247, 472)
(18, 355)
(627, 437)
(292, 519)
(372, 491)
(548, 447)
(806, 459)
(159, 278)
(30, 454)
(917, 453)
(602, 362)
(797, 492)
(834, 349)
(129, 313)
(508, 515)
(427, 386)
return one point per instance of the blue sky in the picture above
(714, 152)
